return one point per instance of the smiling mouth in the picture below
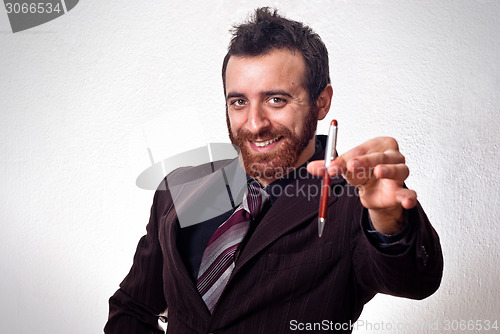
(267, 142)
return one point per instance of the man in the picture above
(280, 276)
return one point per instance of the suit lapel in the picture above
(179, 272)
(196, 190)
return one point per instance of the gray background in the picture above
(84, 96)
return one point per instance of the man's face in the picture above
(268, 113)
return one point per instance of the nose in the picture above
(257, 119)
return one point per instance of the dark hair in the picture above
(266, 31)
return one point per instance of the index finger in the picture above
(316, 167)
(379, 144)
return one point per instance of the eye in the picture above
(277, 101)
(238, 102)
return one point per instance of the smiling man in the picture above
(261, 267)
(269, 114)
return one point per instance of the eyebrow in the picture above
(233, 95)
(266, 93)
(277, 92)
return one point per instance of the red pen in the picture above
(331, 144)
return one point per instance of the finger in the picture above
(316, 167)
(371, 160)
(407, 198)
(379, 144)
(341, 161)
(398, 172)
(337, 166)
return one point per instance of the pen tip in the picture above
(321, 226)
(334, 122)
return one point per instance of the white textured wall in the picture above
(84, 96)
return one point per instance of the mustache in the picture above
(264, 134)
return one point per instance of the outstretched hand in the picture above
(378, 170)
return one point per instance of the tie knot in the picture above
(256, 198)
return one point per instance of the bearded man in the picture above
(261, 267)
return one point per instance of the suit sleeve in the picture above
(139, 303)
(414, 271)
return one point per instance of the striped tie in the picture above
(218, 258)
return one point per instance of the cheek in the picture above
(293, 121)
(232, 123)
(282, 118)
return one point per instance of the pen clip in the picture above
(331, 143)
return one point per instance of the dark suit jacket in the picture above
(285, 275)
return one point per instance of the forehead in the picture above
(279, 67)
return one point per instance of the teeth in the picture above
(267, 142)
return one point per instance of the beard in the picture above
(281, 161)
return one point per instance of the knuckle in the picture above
(403, 158)
(391, 143)
(406, 171)
(400, 158)
(385, 157)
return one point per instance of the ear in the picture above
(324, 101)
